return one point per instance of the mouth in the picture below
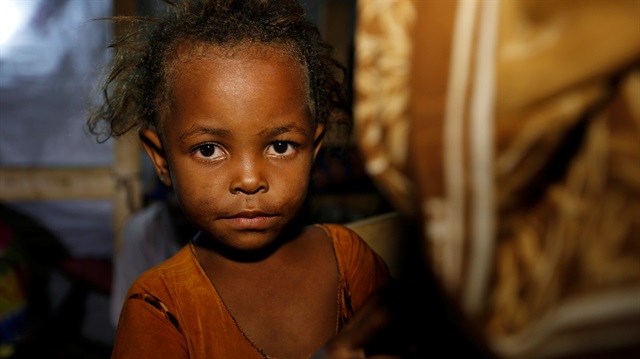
(251, 220)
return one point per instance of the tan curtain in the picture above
(512, 130)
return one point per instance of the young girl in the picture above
(232, 99)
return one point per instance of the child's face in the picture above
(238, 145)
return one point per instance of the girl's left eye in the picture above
(281, 148)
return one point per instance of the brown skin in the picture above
(237, 148)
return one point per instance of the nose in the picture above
(248, 178)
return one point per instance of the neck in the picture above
(214, 247)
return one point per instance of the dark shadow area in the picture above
(31, 324)
(424, 321)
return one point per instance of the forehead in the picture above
(192, 56)
(189, 57)
(190, 53)
(249, 67)
(231, 87)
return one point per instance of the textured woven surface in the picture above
(512, 130)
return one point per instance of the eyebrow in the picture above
(196, 131)
(272, 132)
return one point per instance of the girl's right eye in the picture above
(209, 151)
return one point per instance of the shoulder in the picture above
(362, 270)
(168, 275)
(155, 300)
(167, 289)
(342, 235)
(356, 259)
(348, 245)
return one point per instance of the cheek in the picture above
(199, 201)
(292, 182)
(187, 198)
(195, 189)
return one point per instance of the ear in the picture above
(155, 149)
(317, 139)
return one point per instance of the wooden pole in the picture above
(126, 164)
(42, 184)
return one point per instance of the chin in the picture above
(245, 245)
(251, 241)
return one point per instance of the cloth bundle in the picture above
(511, 130)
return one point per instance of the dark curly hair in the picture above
(136, 88)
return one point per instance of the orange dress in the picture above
(173, 310)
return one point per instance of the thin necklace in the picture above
(339, 314)
(246, 337)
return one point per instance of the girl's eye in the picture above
(208, 151)
(281, 148)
